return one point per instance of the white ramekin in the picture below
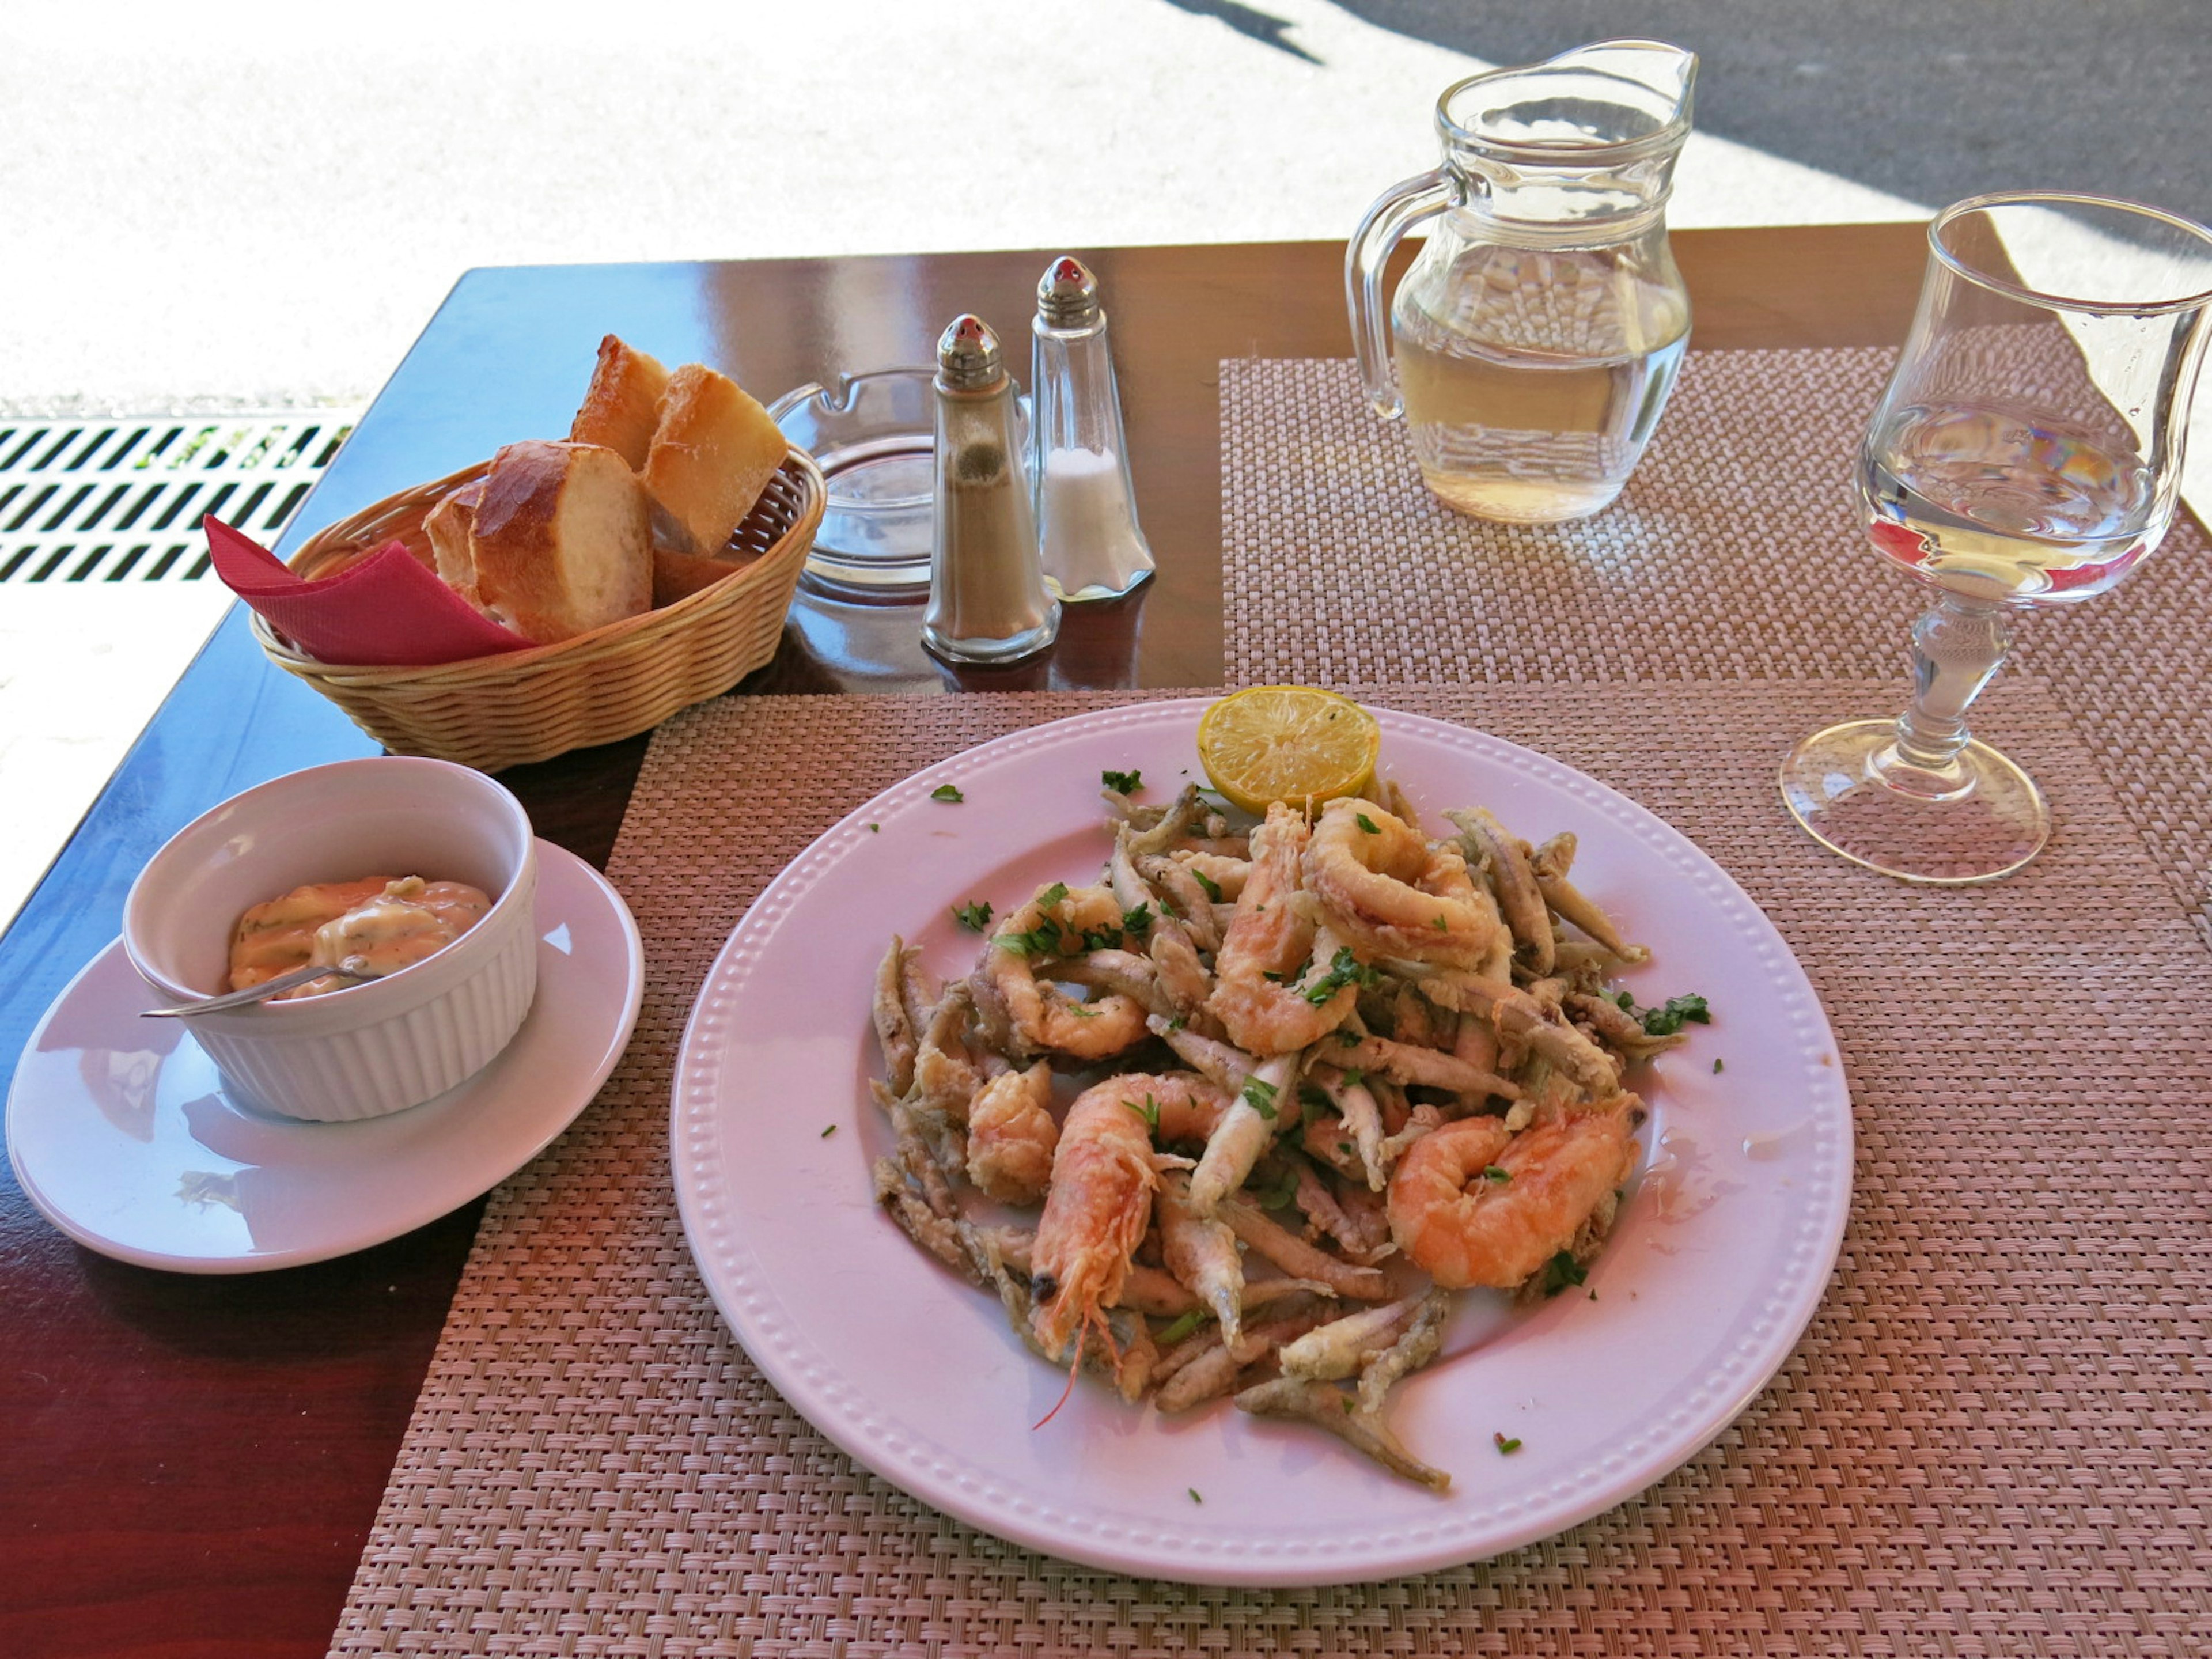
(376, 1048)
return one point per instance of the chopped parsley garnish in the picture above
(1168, 908)
(1212, 887)
(1365, 823)
(1138, 921)
(827, 1132)
(1280, 1196)
(1349, 1039)
(875, 828)
(1045, 939)
(1122, 783)
(1314, 1102)
(1261, 1097)
(1344, 968)
(1183, 1326)
(1353, 1077)
(1561, 1271)
(1177, 1024)
(946, 791)
(1441, 926)
(974, 917)
(1494, 1172)
(1150, 1111)
(1506, 1445)
(1716, 1067)
(1102, 938)
(1670, 1015)
(1052, 896)
(1195, 1497)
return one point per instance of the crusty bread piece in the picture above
(622, 407)
(561, 544)
(679, 575)
(713, 453)
(449, 527)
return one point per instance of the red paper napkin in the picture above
(383, 611)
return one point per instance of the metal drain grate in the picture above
(121, 501)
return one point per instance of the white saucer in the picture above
(126, 1138)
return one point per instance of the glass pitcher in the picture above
(1539, 332)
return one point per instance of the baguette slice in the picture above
(449, 526)
(679, 575)
(560, 542)
(622, 406)
(714, 452)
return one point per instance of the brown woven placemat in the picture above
(1994, 1438)
(1735, 552)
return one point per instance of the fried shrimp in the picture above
(1100, 1202)
(1012, 1136)
(1033, 1016)
(1309, 1025)
(1464, 1224)
(1390, 893)
(1258, 997)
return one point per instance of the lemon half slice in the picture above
(1288, 743)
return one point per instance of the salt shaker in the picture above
(1086, 508)
(987, 602)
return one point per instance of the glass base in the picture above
(1983, 819)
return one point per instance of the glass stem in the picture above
(1957, 647)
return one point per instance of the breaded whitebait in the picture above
(1493, 850)
(1417, 1345)
(1202, 1256)
(1332, 1408)
(1549, 865)
(1294, 1256)
(894, 1025)
(1363, 1119)
(1339, 1348)
(1213, 1371)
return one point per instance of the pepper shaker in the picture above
(1087, 506)
(987, 602)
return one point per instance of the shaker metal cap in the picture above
(1067, 294)
(968, 358)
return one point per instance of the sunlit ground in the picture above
(250, 205)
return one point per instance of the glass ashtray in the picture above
(873, 436)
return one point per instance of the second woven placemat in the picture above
(1993, 1440)
(1735, 552)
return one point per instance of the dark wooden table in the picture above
(189, 1465)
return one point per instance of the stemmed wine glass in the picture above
(2027, 452)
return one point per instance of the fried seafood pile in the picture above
(1334, 1071)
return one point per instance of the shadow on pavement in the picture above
(1931, 102)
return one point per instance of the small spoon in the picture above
(352, 968)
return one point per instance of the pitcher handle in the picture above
(1396, 211)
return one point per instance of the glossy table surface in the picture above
(189, 1465)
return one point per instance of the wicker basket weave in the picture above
(614, 682)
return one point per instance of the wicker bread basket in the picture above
(614, 682)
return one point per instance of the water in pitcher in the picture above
(1532, 396)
